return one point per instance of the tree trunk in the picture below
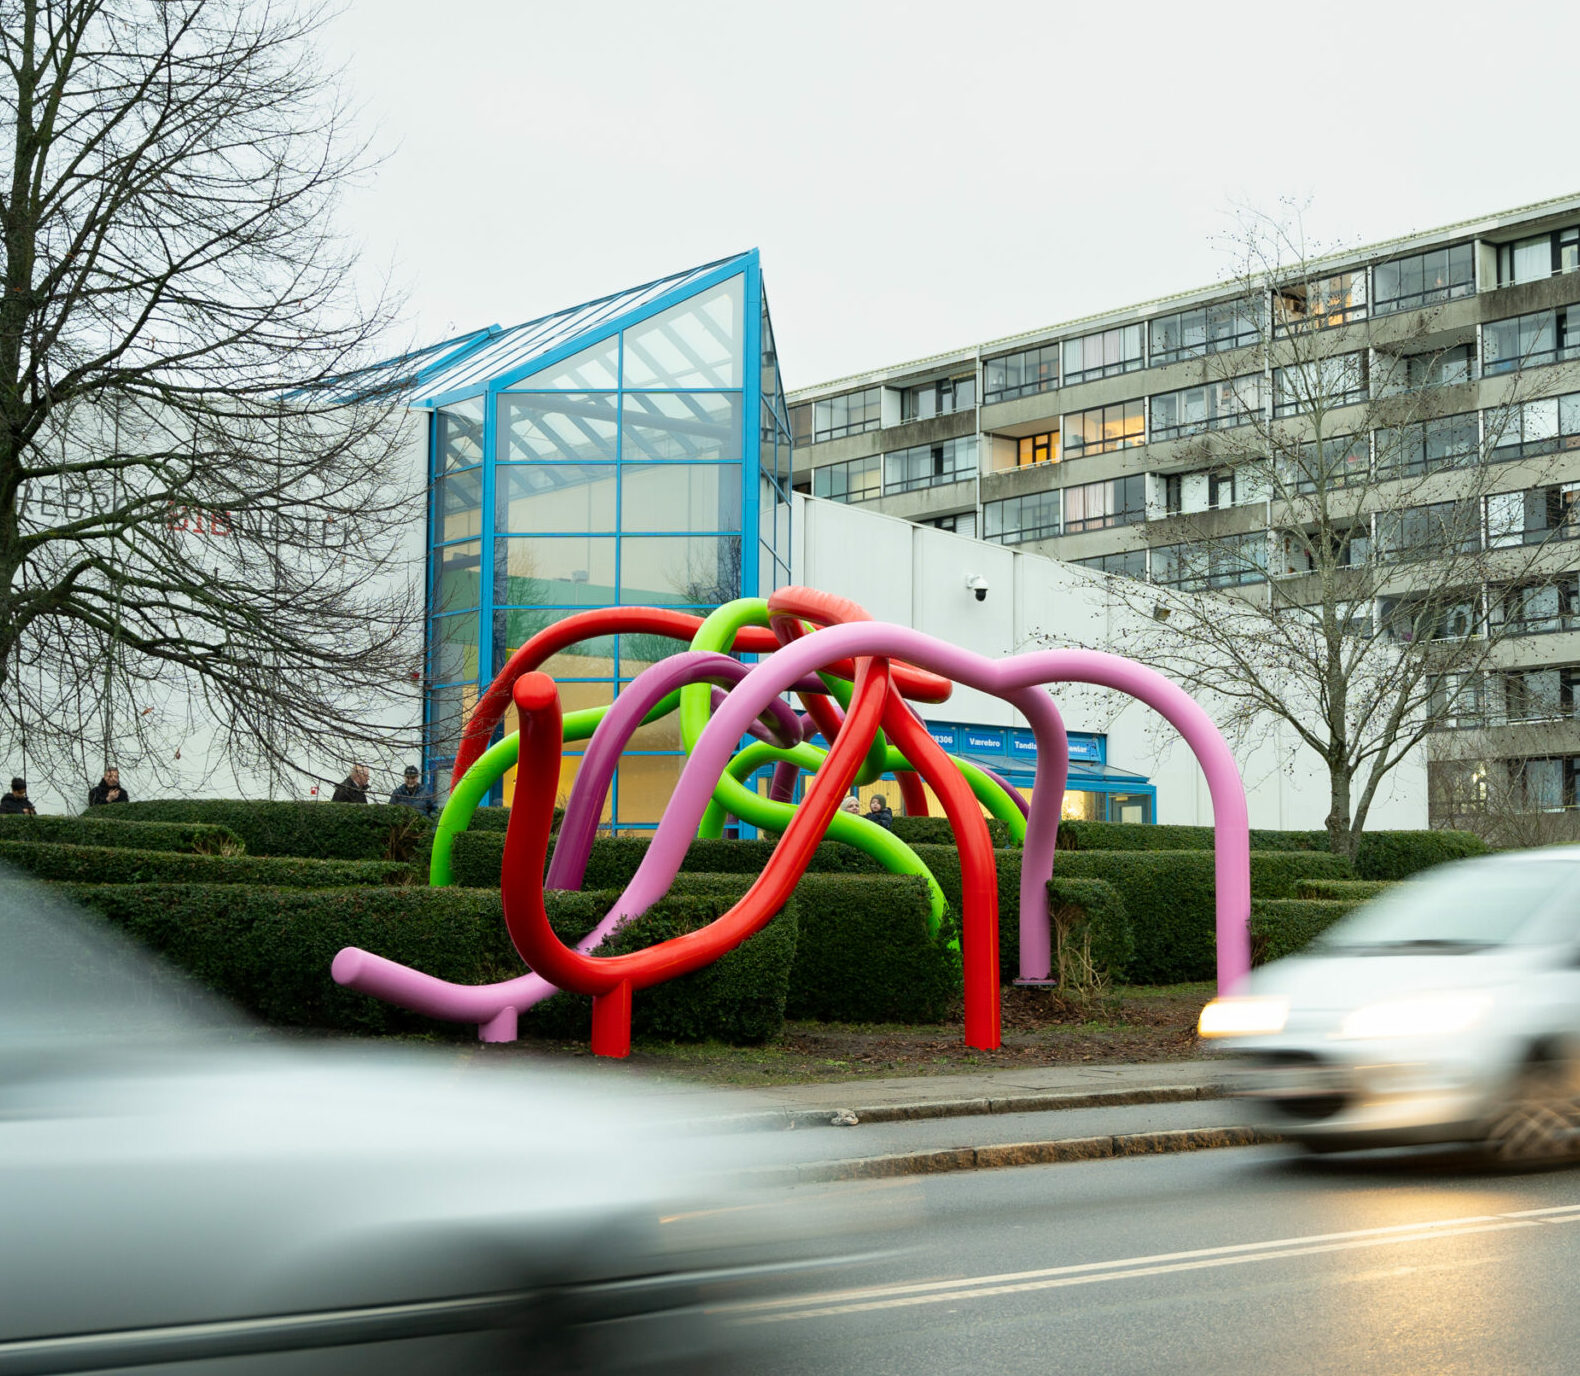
(1341, 837)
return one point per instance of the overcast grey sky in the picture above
(918, 176)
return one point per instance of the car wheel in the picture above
(1541, 1122)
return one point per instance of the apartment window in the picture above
(1020, 375)
(1325, 463)
(1106, 354)
(1545, 784)
(1421, 532)
(1226, 563)
(1541, 426)
(1320, 304)
(1407, 451)
(1541, 255)
(1448, 615)
(1097, 506)
(1104, 428)
(1035, 449)
(1527, 341)
(938, 398)
(1455, 700)
(801, 425)
(1536, 608)
(1215, 406)
(1206, 330)
(1440, 274)
(1308, 389)
(1208, 489)
(928, 465)
(1130, 563)
(962, 523)
(859, 480)
(1307, 551)
(1174, 494)
(1533, 517)
(1441, 368)
(1546, 694)
(1016, 519)
(850, 414)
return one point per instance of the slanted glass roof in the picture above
(512, 350)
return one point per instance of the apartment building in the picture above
(1445, 364)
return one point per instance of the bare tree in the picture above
(1333, 474)
(199, 514)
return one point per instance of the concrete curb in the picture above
(948, 1159)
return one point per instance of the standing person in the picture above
(413, 794)
(108, 789)
(16, 802)
(354, 787)
(878, 811)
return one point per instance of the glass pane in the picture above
(458, 583)
(644, 784)
(513, 628)
(554, 497)
(680, 497)
(458, 434)
(452, 648)
(680, 570)
(572, 426)
(683, 425)
(448, 709)
(596, 369)
(694, 344)
(554, 571)
(459, 499)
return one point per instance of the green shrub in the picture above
(1352, 891)
(1077, 835)
(111, 865)
(864, 954)
(195, 838)
(938, 831)
(497, 818)
(323, 831)
(1282, 926)
(1092, 937)
(1399, 854)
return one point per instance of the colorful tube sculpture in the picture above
(853, 676)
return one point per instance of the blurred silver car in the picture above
(180, 1193)
(1446, 1010)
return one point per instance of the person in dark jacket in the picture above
(108, 789)
(16, 802)
(413, 794)
(354, 787)
(878, 811)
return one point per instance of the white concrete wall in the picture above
(916, 576)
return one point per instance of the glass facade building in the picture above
(631, 451)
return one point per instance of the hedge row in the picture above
(198, 838)
(1386, 855)
(323, 831)
(1282, 926)
(1090, 913)
(112, 865)
(937, 831)
(1352, 891)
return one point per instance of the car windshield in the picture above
(67, 979)
(1461, 907)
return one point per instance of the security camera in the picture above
(978, 584)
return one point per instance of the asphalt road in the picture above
(1242, 1260)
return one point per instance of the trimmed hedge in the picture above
(112, 865)
(937, 831)
(1352, 891)
(270, 951)
(1090, 912)
(1399, 854)
(198, 838)
(1076, 835)
(1282, 926)
(323, 831)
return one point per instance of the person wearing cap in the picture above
(413, 794)
(16, 802)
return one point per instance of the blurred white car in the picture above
(1446, 1010)
(180, 1193)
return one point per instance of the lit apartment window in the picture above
(1097, 506)
(938, 398)
(859, 480)
(850, 414)
(1020, 375)
(1533, 517)
(1213, 406)
(1537, 608)
(1320, 304)
(1530, 340)
(1131, 563)
(1105, 354)
(1206, 330)
(962, 523)
(1035, 449)
(1017, 519)
(1319, 385)
(1421, 532)
(928, 465)
(1104, 428)
(1223, 563)
(1541, 255)
(1541, 426)
(1407, 451)
(1424, 278)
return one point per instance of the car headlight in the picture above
(1425, 1015)
(1250, 1016)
